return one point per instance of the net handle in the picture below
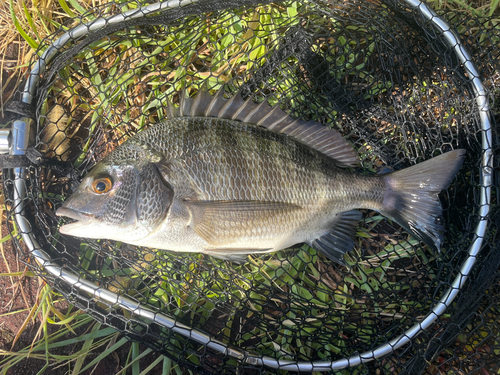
(20, 138)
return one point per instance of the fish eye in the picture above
(102, 185)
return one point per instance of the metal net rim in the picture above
(19, 146)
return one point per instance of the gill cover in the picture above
(154, 196)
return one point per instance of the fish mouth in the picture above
(82, 219)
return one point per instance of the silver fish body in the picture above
(231, 178)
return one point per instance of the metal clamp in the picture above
(4, 141)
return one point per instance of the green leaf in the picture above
(291, 10)
(152, 366)
(104, 354)
(30, 21)
(135, 359)
(79, 8)
(66, 8)
(89, 336)
(167, 366)
(493, 7)
(85, 348)
(25, 36)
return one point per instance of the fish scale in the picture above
(253, 160)
(230, 185)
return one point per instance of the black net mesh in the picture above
(375, 71)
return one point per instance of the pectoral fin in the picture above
(222, 223)
(340, 239)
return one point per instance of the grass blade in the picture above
(104, 354)
(493, 7)
(78, 7)
(152, 365)
(89, 336)
(86, 346)
(66, 8)
(135, 359)
(25, 36)
(30, 21)
(167, 365)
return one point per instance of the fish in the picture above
(230, 177)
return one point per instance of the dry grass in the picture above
(38, 19)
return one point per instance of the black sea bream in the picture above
(229, 177)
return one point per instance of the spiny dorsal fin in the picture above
(321, 138)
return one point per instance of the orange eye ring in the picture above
(102, 185)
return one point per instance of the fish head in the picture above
(122, 201)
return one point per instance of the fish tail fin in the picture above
(411, 198)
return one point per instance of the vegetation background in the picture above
(39, 331)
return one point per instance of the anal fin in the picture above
(340, 239)
(234, 255)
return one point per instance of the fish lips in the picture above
(82, 220)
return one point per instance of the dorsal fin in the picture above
(321, 138)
